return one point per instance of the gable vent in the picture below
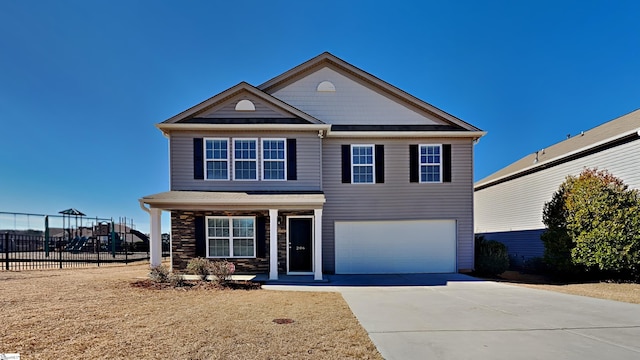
(326, 86)
(245, 105)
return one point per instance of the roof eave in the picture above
(167, 128)
(406, 134)
(484, 184)
(243, 86)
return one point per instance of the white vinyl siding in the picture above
(362, 164)
(274, 159)
(216, 155)
(231, 237)
(430, 163)
(517, 204)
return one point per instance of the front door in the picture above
(300, 233)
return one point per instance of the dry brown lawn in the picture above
(625, 292)
(96, 313)
(620, 292)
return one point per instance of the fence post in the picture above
(6, 250)
(97, 246)
(59, 252)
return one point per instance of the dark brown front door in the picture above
(300, 244)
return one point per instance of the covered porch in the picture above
(292, 223)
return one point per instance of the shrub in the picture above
(222, 270)
(199, 266)
(159, 274)
(176, 280)
(593, 222)
(491, 257)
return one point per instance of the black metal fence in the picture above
(29, 252)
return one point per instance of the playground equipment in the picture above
(71, 231)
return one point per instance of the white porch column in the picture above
(273, 244)
(155, 243)
(317, 245)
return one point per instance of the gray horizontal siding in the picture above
(522, 245)
(517, 204)
(228, 110)
(308, 163)
(351, 103)
(397, 198)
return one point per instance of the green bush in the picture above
(199, 266)
(593, 224)
(491, 257)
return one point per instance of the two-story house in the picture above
(322, 169)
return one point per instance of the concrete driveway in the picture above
(458, 317)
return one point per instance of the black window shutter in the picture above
(292, 173)
(446, 163)
(346, 164)
(379, 164)
(198, 161)
(413, 163)
(201, 246)
(261, 237)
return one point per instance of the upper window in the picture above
(362, 160)
(245, 159)
(430, 163)
(217, 159)
(229, 237)
(274, 159)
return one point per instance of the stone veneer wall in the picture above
(183, 239)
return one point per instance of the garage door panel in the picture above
(383, 247)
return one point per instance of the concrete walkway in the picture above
(458, 317)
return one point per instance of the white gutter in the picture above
(387, 134)
(243, 127)
(146, 209)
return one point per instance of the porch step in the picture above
(289, 280)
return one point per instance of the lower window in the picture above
(229, 237)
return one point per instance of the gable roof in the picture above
(201, 108)
(328, 59)
(613, 133)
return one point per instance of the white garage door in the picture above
(400, 247)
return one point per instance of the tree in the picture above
(593, 222)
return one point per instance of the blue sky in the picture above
(82, 83)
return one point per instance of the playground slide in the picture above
(137, 233)
(72, 244)
(82, 242)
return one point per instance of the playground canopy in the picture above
(72, 211)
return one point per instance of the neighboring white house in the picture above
(508, 204)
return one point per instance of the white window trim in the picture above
(204, 156)
(262, 160)
(373, 164)
(258, 170)
(420, 164)
(231, 218)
